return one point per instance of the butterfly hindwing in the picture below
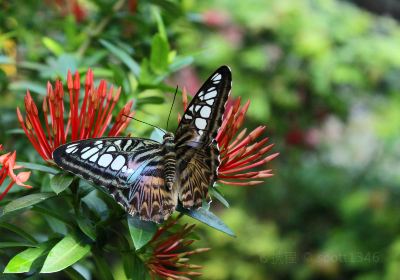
(130, 169)
(196, 148)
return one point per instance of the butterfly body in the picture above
(149, 178)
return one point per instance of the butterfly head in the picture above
(168, 137)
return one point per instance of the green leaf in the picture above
(38, 167)
(141, 231)
(180, 62)
(218, 195)
(18, 231)
(73, 274)
(53, 46)
(159, 54)
(26, 201)
(149, 100)
(24, 261)
(15, 244)
(65, 253)
(160, 23)
(87, 227)
(103, 271)
(123, 56)
(22, 86)
(134, 267)
(60, 182)
(208, 218)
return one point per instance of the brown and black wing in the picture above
(197, 151)
(131, 170)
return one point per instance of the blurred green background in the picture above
(323, 75)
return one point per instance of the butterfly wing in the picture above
(196, 148)
(131, 169)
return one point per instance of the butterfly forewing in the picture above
(196, 148)
(204, 114)
(131, 169)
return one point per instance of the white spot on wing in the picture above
(118, 142)
(191, 108)
(200, 123)
(197, 108)
(111, 149)
(71, 150)
(216, 77)
(105, 160)
(85, 149)
(205, 112)
(128, 143)
(89, 153)
(188, 117)
(210, 102)
(211, 94)
(124, 168)
(201, 93)
(211, 89)
(118, 162)
(94, 157)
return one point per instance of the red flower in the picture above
(240, 153)
(169, 257)
(90, 119)
(7, 162)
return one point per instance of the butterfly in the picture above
(149, 178)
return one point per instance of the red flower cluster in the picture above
(88, 120)
(240, 154)
(8, 166)
(169, 256)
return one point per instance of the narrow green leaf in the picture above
(149, 100)
(103, 271)
(15, 244)
(73, 274)
(160, 23)
(123, 56)
(218, 195)
(171, 8)
(22, 86)
(87, 227)
(65, 253)
(62, 217)
(19, 231)
(159, 54)
(60, 182)
(208, 218)
(26, 201)
(24, 261)
(53, 46)
(134, 267)
(180, 62)
(38, 167)
(141, 231)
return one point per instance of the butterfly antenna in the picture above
(172, 106)
(145, 123)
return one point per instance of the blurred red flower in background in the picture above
(170, 255)
(7, 162)
(89, 119)
(240, 154)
